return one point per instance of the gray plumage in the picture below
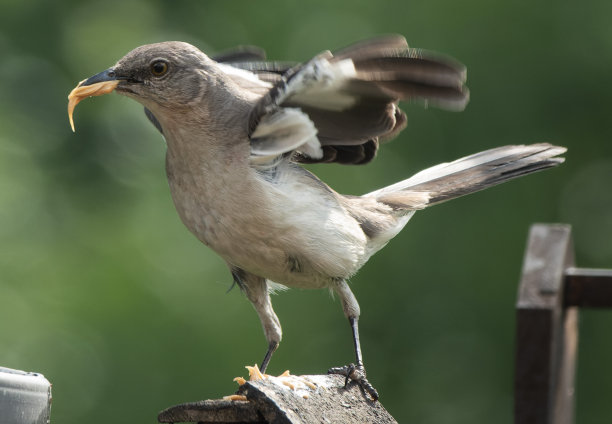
(237, 129)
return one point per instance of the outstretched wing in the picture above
(337, 107)
(240, 54)
(253, 59)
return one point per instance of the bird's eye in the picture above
(159, 68)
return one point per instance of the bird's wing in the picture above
(265, 70)
(152, 119)
(253, 59)
(338, 106)
(240, 54)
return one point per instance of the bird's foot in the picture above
(358, 375)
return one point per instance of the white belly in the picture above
(290, 231)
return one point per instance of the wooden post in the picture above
(550, 293)
(298, 400)
(546, 333)
(588, 287)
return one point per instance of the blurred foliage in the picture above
(105, 292)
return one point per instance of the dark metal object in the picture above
(271, 402)
(550, 292)
(25, 397)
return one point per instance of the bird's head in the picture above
(167, 75)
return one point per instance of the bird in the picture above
(239, 128)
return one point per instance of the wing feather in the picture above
(350, 98)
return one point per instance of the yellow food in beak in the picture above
(81, 92)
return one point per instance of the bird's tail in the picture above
(469, 174)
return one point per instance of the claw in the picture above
(358, 375)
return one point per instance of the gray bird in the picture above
(238, 129)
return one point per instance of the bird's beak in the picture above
(97, 85)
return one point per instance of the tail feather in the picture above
(469, 174)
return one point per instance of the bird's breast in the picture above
(288, 230)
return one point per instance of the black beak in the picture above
(104, 76)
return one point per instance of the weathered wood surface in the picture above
(212, 411)
(274, 401)
(546, 333)
(25, 397)
(550, 293)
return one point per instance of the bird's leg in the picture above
(256, 290)
(355, 372)
(356, 344)
(266, 360)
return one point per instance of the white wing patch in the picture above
(244, 74)
(285, 129)
(318, 84)
(282, 131)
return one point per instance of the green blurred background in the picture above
(105, 292)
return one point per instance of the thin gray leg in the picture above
(351, 311)
(356, 344)
(256, 289)
(266, 360)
